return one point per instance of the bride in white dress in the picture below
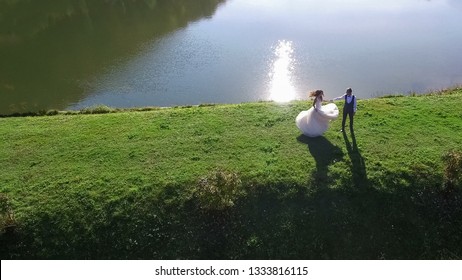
(315, 121)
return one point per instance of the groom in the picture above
(349, 108)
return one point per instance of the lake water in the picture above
(128, 53)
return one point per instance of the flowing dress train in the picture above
(314, 123)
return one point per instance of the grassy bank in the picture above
(234, 181)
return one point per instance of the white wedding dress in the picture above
(314, 123)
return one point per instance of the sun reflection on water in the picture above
(281, 85)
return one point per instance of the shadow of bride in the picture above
(324, 153)
(358, 166)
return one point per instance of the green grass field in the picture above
(234, 182)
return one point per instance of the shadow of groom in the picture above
(358, 167)
(324, 153)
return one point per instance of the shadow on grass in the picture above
(358, 166)
(283, 220)
(324, 153)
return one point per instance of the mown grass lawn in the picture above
(233, 181)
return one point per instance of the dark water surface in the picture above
(58, 54)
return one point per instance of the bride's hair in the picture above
(316, 93)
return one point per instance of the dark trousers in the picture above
(350, 114)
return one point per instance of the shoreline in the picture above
(104, 109)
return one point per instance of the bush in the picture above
(452, 171)
(218, 190)
(7, 220)
(98, 109)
